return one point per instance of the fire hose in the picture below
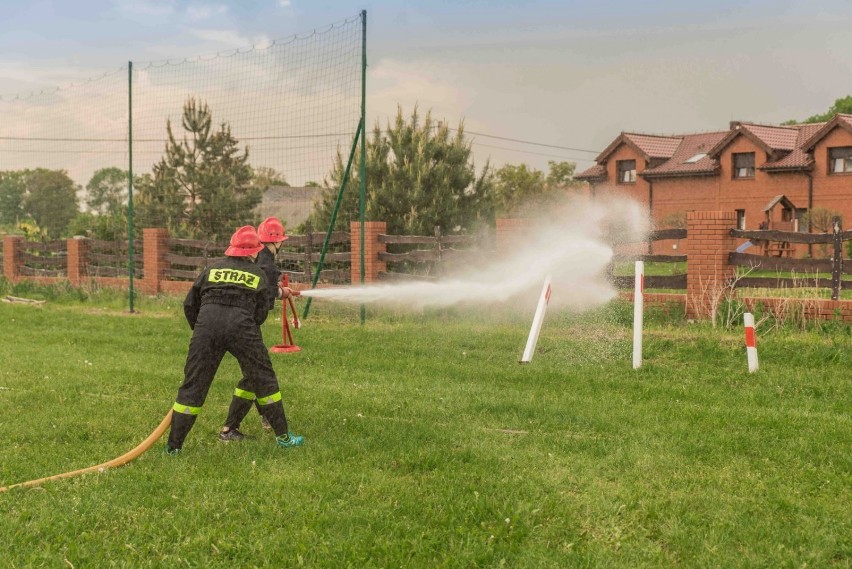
(121, 460)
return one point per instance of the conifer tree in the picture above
(201, 187)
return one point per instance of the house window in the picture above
(626, 171)
(741, 219)
(840, 160)
(743, 164)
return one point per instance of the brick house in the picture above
(743, 169)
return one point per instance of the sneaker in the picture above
(289, 440)
(265, 424)
(231, 435)
(171, 451)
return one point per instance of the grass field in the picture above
(428, 445)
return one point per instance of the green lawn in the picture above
(428, 445)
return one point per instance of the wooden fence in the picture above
(110, 259)
(44, 258)
(442, 253)
(654, 281)
(298, 258)
(186, 257)
(807, 268)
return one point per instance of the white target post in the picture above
(751, 341)
(532, 340)
(638, 306)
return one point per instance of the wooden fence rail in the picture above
(834, 265)
(677, 281)
(433, 260)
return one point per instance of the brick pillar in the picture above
(78, 259)
(11, 256)
(509, 232)
(372, 248)
(708, 243)
(154, 251)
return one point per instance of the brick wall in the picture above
(77, 260)
(11, 257)
(372, 265)
(707, 246)
(833, 191)
(154, 251)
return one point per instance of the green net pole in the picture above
(130, 178)
(363, 169)
(358, 133)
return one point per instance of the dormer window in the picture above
(625, 171)
(840, 160)
(743, 164)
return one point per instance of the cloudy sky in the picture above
(567, 75)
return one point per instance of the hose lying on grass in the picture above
(123, 459)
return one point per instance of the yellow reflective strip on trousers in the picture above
(269, 399)
(233, 276)
(186, 409)
(243, 394)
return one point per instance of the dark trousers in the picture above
(221, 329)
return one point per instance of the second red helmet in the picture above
(271, 230)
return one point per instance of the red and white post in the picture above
(751, 342)
(638, 306)
(532, 340)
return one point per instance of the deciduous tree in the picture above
(51, 199)
(842, 105)
(12, 191)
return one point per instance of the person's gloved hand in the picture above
(284, 292)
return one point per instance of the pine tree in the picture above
(201, 187)
(418, 177)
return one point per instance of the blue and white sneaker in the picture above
(289, 440)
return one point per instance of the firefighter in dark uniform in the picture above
(272, 235)
(225, 308)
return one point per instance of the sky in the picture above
(568, 76)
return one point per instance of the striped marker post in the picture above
(638, 306)
(537, 321)
(751, 342)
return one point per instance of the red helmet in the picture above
(270, 230)
(244, 242)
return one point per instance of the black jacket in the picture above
(266, 261)
(232, 281)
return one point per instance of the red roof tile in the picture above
(775, 137)
(797, 159)
(843, 121)
(649, 145)
(687, 159)
(654, 146)
(596, 172)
